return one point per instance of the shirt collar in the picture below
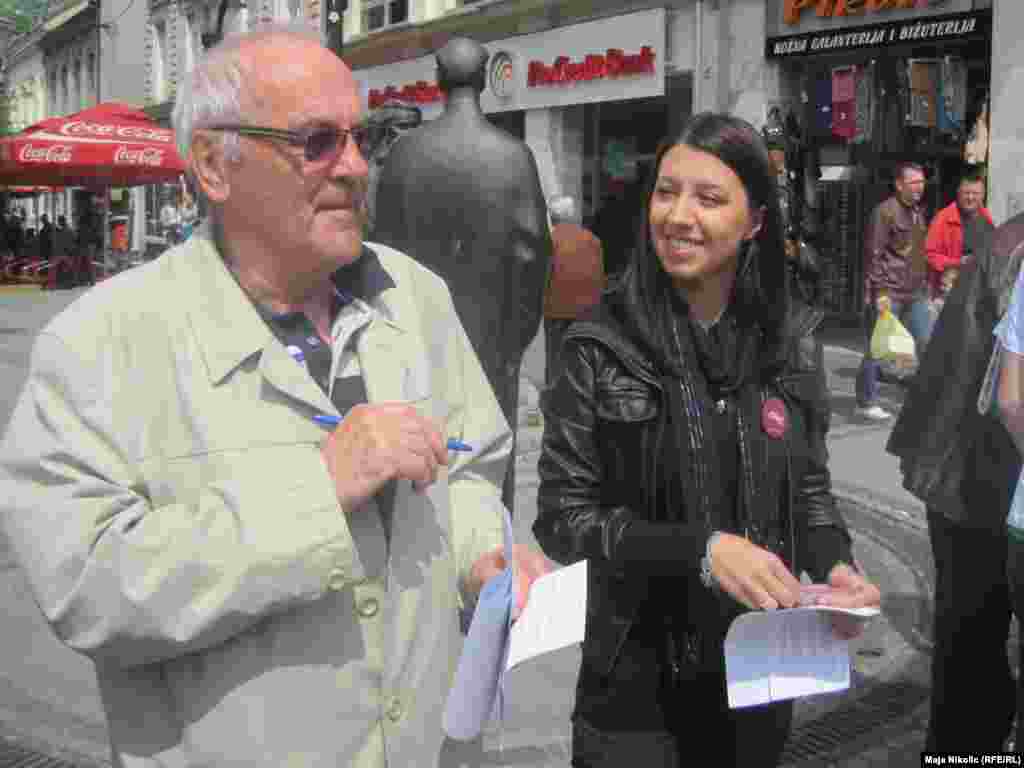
(364, 279)
(229, 325)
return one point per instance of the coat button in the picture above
(394, 710)
(337, 579)
(368, 608)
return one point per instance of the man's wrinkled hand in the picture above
(752, 575)
(850, 590)
(380, 442)
(529, 566)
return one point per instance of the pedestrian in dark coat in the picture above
(45, 239)
(963, 465)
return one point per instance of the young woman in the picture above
(684, 457)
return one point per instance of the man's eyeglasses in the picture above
(321, 143)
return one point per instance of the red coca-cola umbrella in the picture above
(109, 145)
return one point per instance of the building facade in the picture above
(594, 130)
(593, 87)
(25, 81)
(592, 91)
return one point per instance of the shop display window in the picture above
(856, 116)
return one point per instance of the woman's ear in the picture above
(209, 166)
(756, 221)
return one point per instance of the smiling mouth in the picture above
(682, 245)
(342, 209)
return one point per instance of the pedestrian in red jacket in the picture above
(953, 234)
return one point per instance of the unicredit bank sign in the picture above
(615, 63)
(606, 60)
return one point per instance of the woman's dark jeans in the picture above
(637, 716)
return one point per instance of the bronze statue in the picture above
(463, 198)
(386, 125)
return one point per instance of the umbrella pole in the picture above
(105, 254)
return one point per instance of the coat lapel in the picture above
(391, 368)
(291, 379)
(230, 330)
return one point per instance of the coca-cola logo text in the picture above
(56, 153)
(129, 132)
(146, 156)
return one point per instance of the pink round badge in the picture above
(773, 418)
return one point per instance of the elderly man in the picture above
(255, 589)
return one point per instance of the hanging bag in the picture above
(891, 341)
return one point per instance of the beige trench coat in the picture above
(165, 494)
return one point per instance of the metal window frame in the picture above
(368, 4)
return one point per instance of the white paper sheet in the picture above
(786, 654)
(555, 616)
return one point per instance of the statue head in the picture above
(462, 63)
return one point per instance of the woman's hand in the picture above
(752, 575)
(849, 590)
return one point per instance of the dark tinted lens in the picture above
(321, 142)
(365, 138)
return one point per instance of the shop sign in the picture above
(931, 30)
(615, 63)
(792, 9)
(420, 92)
(612, 59)
(501, 72)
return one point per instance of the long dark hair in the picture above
(761, 293)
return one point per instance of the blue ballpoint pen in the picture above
(329, 420)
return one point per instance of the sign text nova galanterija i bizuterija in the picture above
(931, 30)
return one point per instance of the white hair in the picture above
(212, 92)
(562, 208)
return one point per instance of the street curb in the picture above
(863, 498)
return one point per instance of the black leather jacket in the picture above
(595, 473)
